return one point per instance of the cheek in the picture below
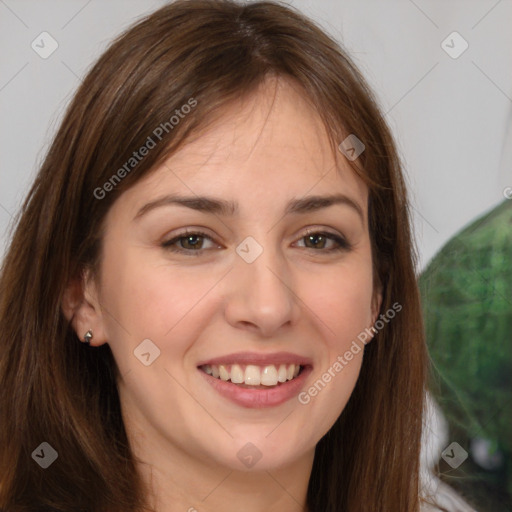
(154, 301)
(341, 304)
(341, 301)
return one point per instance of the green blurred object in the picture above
(467, 304)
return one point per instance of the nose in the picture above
(260, 295)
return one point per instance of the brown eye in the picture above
(190, 242)
(193, 241)
(317, 240)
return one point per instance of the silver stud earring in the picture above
(88, 337)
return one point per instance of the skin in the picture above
(295, 297)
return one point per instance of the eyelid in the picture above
(342, 242)
(340, 239)
(183, 234)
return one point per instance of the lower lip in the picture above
(259, 398)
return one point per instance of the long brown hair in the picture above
(56, 390)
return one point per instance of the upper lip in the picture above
(258, 359)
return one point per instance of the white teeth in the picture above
(223, 373)
(269, 376)
(281, 374)
(253, 375)
(237, 375)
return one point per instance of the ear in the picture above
(81, 306)
(376, 302)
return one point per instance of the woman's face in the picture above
(249, 300)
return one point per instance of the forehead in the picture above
(264, 149)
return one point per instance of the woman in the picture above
(219, 232)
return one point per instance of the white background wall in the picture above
(451, 117)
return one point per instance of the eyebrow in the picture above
(229, 208)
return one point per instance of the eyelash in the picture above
(343, 244)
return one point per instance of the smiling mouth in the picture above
(253, 376)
